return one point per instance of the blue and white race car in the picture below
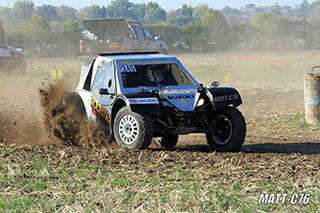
(140, 96)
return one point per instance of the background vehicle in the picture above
(139, 96)
(12, 58)
(117, 35)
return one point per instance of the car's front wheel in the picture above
(132, 130)
(228, 131)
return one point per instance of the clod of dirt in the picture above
(63, 121)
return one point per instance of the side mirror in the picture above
(104, 92)
(215, 84)
(156, 37)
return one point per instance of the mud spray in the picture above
(27, 118)
(63, 121)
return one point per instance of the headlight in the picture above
(200, 102)
(166, 104)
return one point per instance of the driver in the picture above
(156, 74)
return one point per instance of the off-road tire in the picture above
(73, 114)
(167, 141)
(237, 131)
(144, 124)
(73, 101)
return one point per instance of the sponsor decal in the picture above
(146, 62)
(96, 92)
(175, 92)
(143, 101)
(128, 68)
(222, 98)
(174, 97)
(100, 112)
(184, 102)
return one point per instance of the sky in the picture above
(165, 4)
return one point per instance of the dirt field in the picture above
(279, 148)
(268, 90)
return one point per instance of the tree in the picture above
(154, 14)
(23, 9)
(138, 12)
(71, 26)
(279, 32)
(180, 16)
(170, 34)
(186, 10)
(233, 16)
(65, 13)
(38, 24)
(216, 31)
(312, 40)
(10, 21)
(56, 26)
(93, 11)
(199, 10)
(122, 9)
(303, 10)
(191, 36)
(48, 12)
(315, 10)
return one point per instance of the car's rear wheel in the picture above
(132, 130)
(228, 131)
(167, 141)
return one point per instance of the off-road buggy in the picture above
(140, 96)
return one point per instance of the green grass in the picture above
(295, 120)
(44, 183)
(298, 120)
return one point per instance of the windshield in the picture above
(153, 75)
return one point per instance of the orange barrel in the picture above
(312, 96)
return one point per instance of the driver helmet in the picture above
(155, 74)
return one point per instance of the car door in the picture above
(151, 43)
(103, 92)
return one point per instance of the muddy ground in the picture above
(22, 117)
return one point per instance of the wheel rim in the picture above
(128, 129)
(223, 130)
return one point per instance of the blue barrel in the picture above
(312, 96)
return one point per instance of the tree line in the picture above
(47, 29)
